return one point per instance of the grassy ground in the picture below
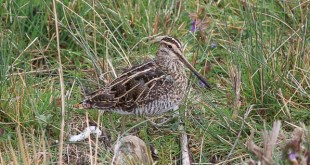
(256, 54)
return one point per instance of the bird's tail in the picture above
(83, 105)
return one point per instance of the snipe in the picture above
(151, 88)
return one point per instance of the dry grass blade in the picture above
(13, 155)
(22, 146)
(1, 158)
(235, 76)
(285, 103)
(62, 87)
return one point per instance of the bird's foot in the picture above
(161, 122)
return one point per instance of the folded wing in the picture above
(135, 87)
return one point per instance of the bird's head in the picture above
(172, 47)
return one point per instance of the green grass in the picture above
(268, 42)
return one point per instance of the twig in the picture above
(86, 134)
(184, 146)
(184, 143)
(62, 87)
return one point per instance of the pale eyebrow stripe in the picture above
(173, 40)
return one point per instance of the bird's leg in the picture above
(123, 123)
(112, 121)
(166, 120)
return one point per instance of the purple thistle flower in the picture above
(213, 45)
(195, 25)
(292, 156)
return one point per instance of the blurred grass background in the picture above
(255, 54)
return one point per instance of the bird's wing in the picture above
(136, 86)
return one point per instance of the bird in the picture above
(151, 88)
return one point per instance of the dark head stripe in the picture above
(174, 41)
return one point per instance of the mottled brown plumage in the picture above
(151, 88)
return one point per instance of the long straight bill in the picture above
(199, 76)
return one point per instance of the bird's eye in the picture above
(169, 46)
